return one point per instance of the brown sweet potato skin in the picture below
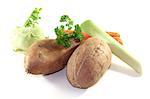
(46, 57)
(88, 63)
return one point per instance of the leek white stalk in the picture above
(117, 49)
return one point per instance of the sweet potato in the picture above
(45, 56)
(88, 63)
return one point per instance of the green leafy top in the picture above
(33, 18)
(64, 38)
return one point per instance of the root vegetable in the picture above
(88, 63)
(45, 56)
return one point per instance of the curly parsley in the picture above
(64, 38)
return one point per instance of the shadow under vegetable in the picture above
(59, 80)
(124, 70)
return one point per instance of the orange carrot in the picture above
(113, 34)
(68, 31)
(118, 40)
(86, 36)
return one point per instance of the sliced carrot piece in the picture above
(118, 40)
(86, 36)
(68, 31)
(113, 34)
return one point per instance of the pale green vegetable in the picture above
(116, 48)
(25, 36)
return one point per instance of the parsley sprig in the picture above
(64, 38)
(33, 18)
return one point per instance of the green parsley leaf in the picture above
(33, 18)
(64, 38)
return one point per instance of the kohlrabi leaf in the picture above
(25, 36)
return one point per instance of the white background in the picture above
(129, 17)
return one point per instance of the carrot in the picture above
(68, 31)
(116, 36)
(86, 36)
(113, 34)
(118, 40)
